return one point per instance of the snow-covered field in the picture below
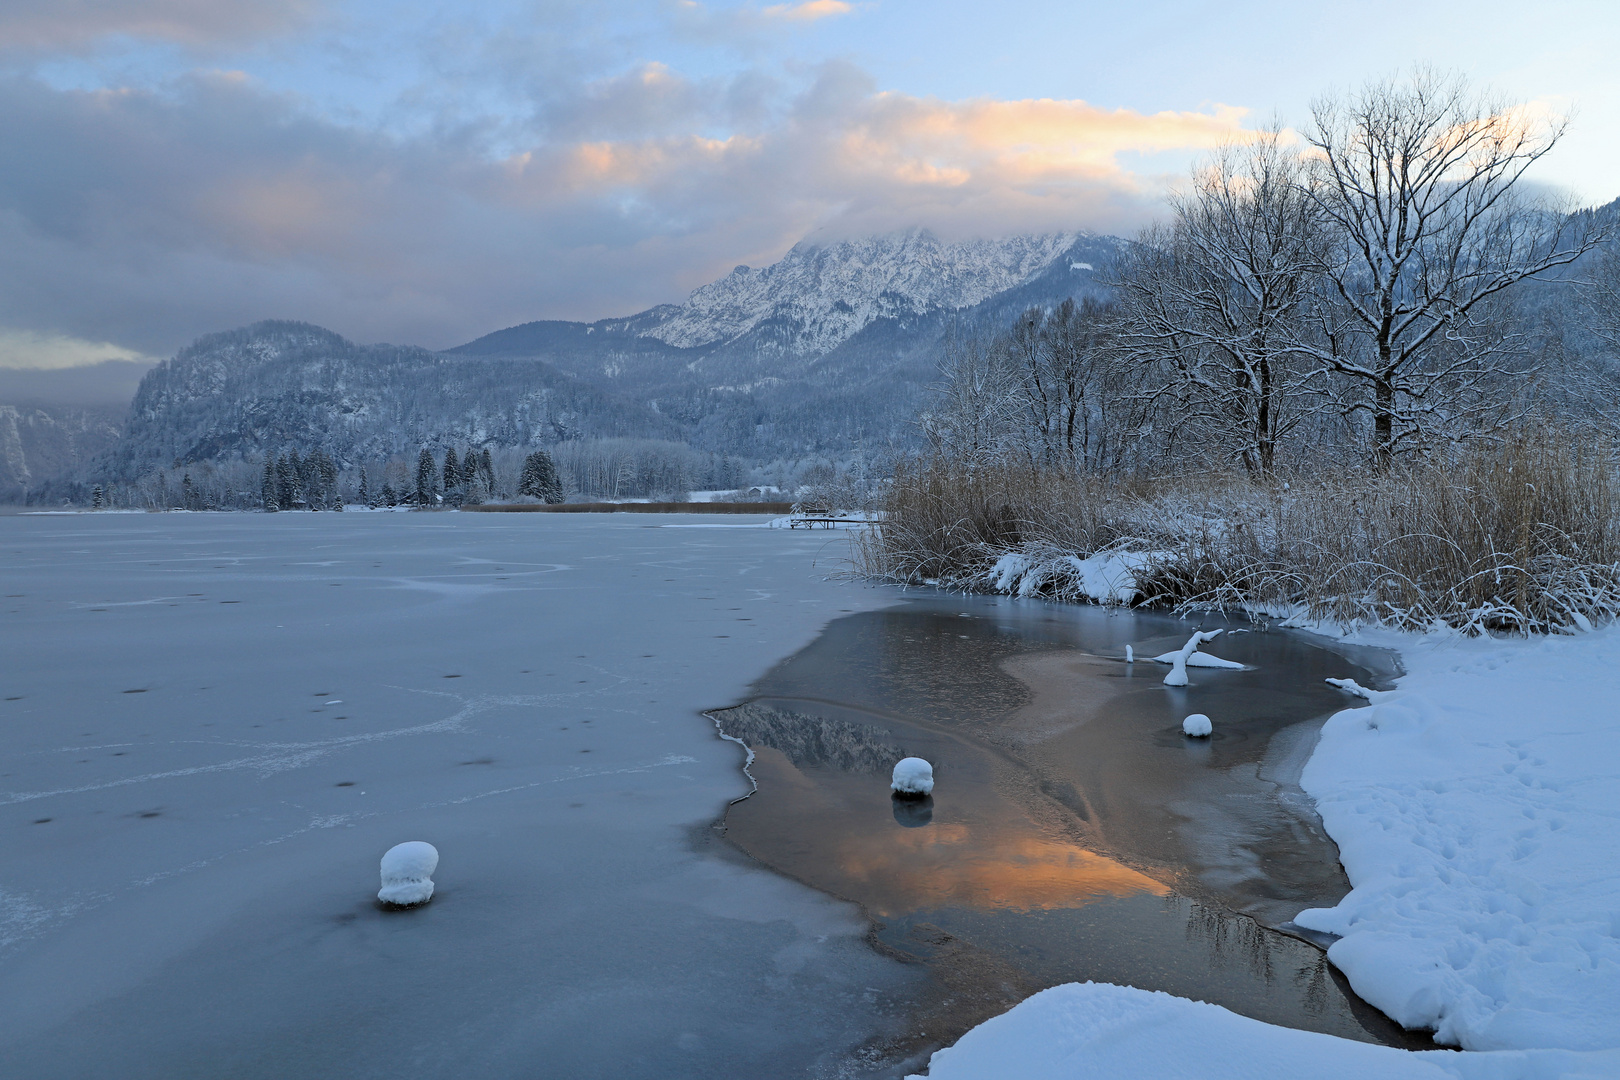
(215, 725)
(1476, 808)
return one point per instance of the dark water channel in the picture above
(1074, 833)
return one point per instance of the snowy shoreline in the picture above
(1473, 807)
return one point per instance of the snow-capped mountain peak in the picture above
(818, 295)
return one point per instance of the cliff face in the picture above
(276, 385)
(39, 444)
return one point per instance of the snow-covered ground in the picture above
(1476, 808)
(214, 726)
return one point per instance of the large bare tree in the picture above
(1419, 180)
(1217, 301)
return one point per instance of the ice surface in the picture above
(1097, 1031)
(407, 873)
(1196, 725)
(912, 776)
(525, 690)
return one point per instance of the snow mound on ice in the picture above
(1096, 1031)
(407, 873)
(913, 776)
(1198, 659)
(1197, 725)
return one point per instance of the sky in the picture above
(426, 173)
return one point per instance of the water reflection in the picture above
(1072, 833)
(913, 813)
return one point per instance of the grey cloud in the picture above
(77, 24)
(148, 217)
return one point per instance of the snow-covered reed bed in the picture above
(1517, 536)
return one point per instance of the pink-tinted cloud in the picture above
(809, 10)
(145, 217)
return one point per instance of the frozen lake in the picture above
(214, 725)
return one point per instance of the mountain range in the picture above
(831, 347)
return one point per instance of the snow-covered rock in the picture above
(407, 873)
(1197, 725)
(912, 776)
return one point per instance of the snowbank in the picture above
(1104, 578)
(1094, 1030)
(1475, 811)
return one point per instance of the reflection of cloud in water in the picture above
(811, 741)
(955, 865)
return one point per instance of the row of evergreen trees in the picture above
(311, 482)
(299, 483)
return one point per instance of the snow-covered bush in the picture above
(913, 777)
(407, 873)
(1197, 725)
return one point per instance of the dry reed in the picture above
(1519, 536)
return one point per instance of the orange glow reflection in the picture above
(958, 866)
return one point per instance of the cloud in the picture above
(149, 216)
(809, 11)
(76, 24)
(30, 350)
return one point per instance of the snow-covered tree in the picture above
(270, 487)
(1418, 182)
(539, 479)
(974, 414)
(452, 476)
(426, 481)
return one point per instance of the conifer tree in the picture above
(426, 485)
(269, 490)
(188, 493)
(326, 473)
(539, 479)
(452, 472)
(486, 468)
(365, 489)
(97, 499)
(389, 498)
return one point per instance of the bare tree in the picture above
(1418, 180)
(1070, 388)
(974, 414)
(1603, 297)
(1217, 301)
